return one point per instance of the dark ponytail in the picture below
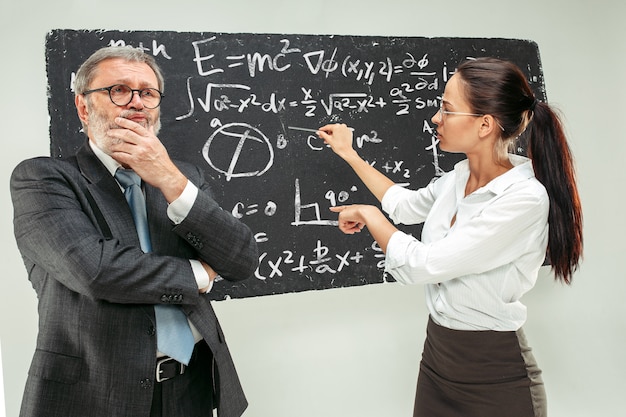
(554, 168)
(499, 88)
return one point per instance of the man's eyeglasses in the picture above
(121, 95)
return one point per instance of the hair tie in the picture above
(533, 105)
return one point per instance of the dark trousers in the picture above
(190, 394)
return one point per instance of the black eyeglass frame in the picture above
(140, 91)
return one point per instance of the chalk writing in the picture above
(247, 139)
(321, 260)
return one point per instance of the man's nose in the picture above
(135, 101)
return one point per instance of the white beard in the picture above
(99, 126)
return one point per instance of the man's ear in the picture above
(81, 108)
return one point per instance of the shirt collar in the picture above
(521, 171)
(110, 164)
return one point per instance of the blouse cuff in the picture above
(390, 198)
(395, 256)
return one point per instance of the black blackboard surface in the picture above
(236, 103)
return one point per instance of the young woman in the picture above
(488, 225)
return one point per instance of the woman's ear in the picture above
(488, 126)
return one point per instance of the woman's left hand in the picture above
(351, 219)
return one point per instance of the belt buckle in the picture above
(165, 360)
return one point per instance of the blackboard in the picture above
(233, 102)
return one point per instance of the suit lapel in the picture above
(107, 195)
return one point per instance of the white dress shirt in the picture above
(476, 270)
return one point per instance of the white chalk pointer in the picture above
(304, 129)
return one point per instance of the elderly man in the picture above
(121, 267)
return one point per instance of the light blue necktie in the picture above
(174, 337)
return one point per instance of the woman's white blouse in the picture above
(476, 270)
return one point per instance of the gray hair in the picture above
(87, 71)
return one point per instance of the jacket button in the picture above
(151, 330)
(145, 383)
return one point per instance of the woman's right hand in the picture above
(339, 138)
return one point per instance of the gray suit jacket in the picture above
(95, 353)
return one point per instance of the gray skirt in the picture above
(478, 374)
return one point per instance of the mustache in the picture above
(127, 114)
(150, 120)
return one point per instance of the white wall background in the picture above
(355, 352)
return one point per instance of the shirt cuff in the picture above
(390, 198)
(395, 256)
(178, 210)
(202, 277)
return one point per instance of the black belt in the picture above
(168, 368)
